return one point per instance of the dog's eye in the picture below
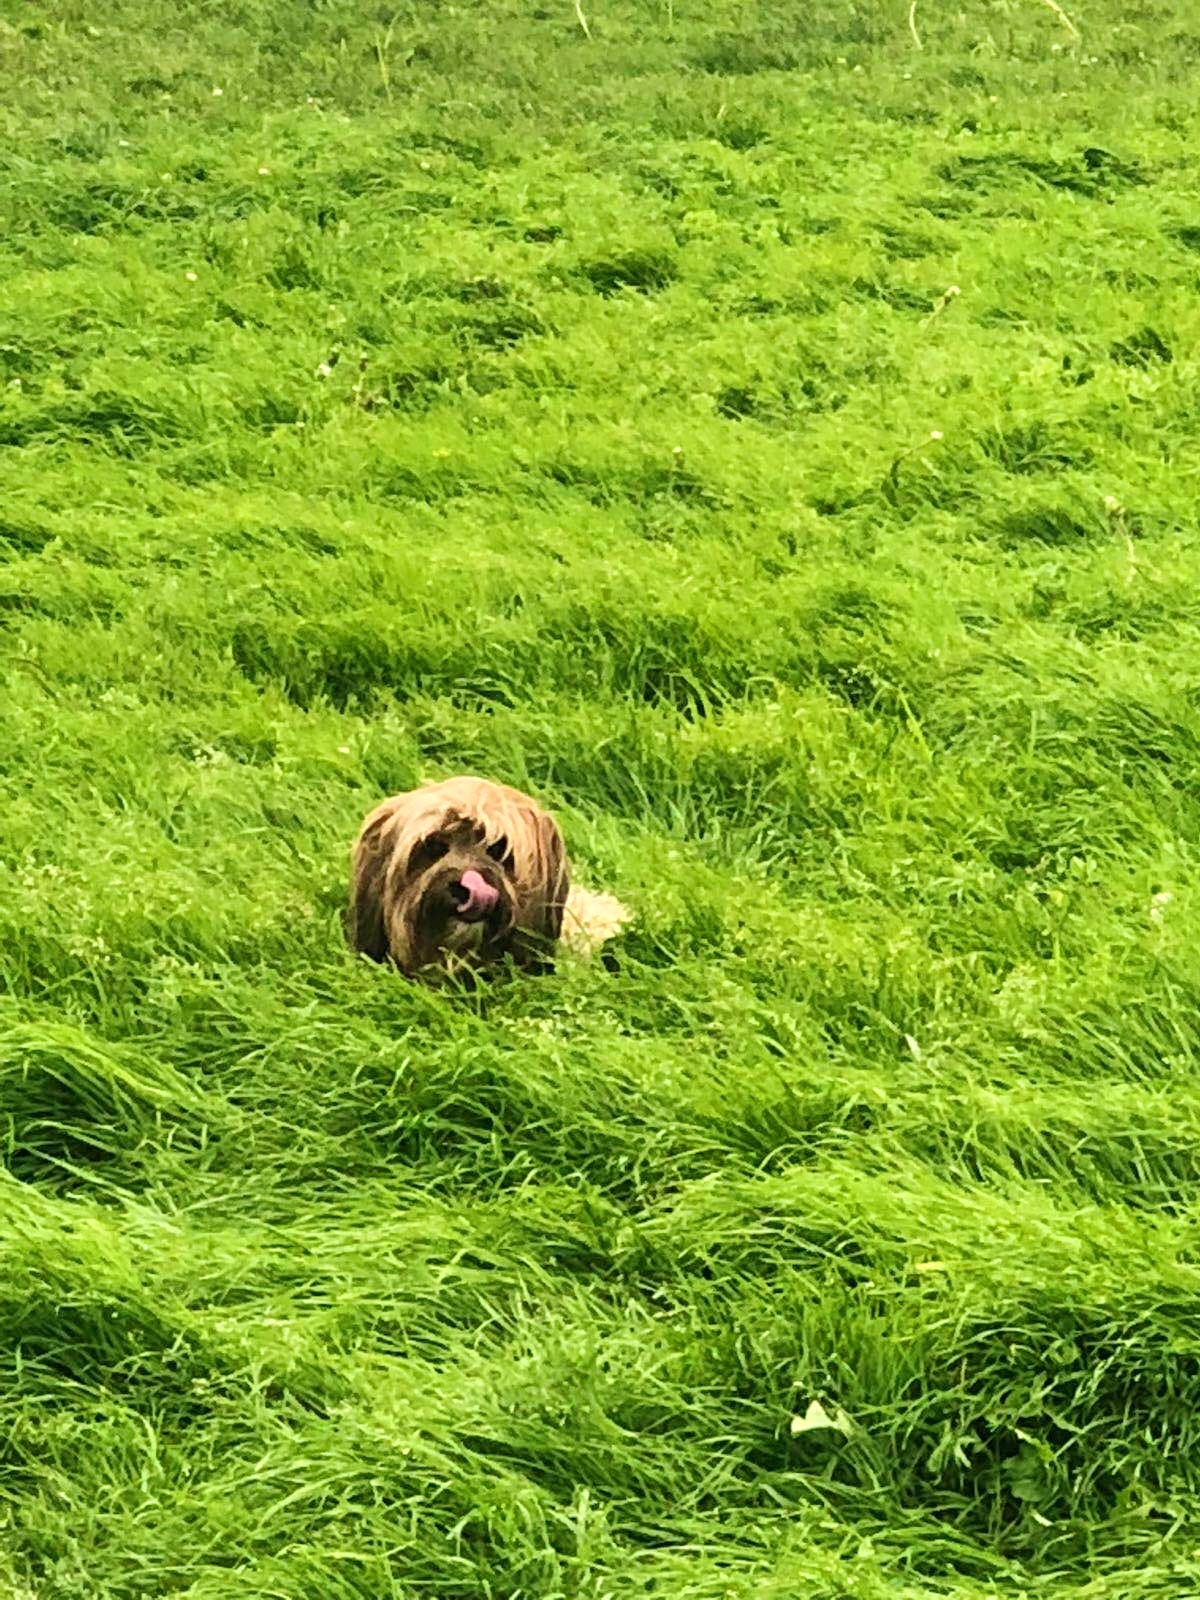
(499, 852)
(426, 853)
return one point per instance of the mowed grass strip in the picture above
(772, 443)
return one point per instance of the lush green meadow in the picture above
(772, 438)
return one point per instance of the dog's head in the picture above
(458, 875)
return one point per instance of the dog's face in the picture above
(457, 896)
(457, 876)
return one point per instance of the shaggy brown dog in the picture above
(458, 875)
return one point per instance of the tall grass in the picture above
(394, 391)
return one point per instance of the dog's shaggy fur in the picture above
(460, 874)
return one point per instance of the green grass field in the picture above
(776, 446)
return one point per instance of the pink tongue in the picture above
(481, 897)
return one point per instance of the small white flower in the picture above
(324, 370)
(817, 1419)
(190, 276)
(264, 172)
(217, 92)
(935, 433)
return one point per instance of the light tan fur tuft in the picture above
(591, 919)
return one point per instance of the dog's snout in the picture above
(474, 897)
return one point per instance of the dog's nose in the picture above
(481, 897)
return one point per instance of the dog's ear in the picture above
(543, 884)
(365, 927)
(555, 878)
